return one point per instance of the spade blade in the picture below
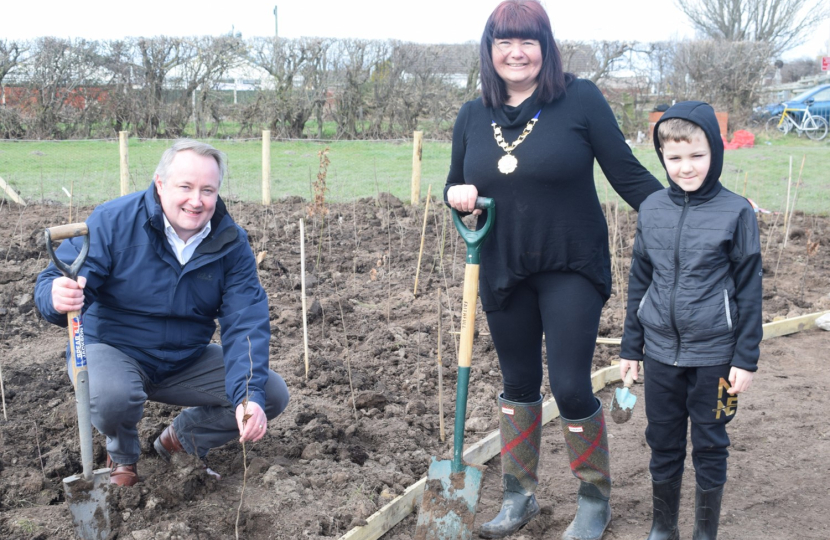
(448, 507)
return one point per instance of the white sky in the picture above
(422, 21)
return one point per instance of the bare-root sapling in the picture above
(318, 204)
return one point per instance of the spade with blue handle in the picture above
(453, 488)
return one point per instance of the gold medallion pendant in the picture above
(508, 164)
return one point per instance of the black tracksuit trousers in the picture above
(673, 396)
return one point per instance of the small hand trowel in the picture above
(624, 400)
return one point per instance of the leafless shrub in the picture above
(779, 24)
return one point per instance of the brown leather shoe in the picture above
(167, 444)
(121, 474)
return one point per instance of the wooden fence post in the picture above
(417, 151)
(266, 167)
(124, 153)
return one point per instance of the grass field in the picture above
(42, 170)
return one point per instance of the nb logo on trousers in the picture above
(728, 406)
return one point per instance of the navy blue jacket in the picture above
(142, 301)
(694, 293)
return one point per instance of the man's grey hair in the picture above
(202, 149)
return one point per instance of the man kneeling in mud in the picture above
(163, 266)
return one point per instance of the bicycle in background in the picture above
(814, 126)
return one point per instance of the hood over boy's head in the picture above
(698, 118)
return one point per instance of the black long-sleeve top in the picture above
(548, 214)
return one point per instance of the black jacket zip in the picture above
(677, 274)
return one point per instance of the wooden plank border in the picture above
(771, 329)
(791, 326)
(11, 193)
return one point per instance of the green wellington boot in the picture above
(520, 425)
(587, 443)
(666, 500)
(707, 512)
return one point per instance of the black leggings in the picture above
(567, 308)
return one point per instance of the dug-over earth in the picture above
(363, 424)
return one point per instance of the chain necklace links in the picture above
(508, 163)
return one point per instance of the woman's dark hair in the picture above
(521, 19)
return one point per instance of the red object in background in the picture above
(740, 139)
(825, 63)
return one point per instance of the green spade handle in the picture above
(474, 239)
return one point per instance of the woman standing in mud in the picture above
(529, 142)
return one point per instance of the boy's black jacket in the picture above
(695, 282)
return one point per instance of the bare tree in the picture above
(60, 85)
(354, 62)
(472, 63)
(299, 73)
(122, 72)
(726, 74)
(11, 53)
(158, 57)
(209, 60)
(795, 70)
(782, 23)
(445, 77)
(594, 60)
(608, 55)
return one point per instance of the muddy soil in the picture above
(362, 425)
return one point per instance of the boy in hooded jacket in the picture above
(694, 315)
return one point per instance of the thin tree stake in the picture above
(777, 264)
(615, 262)
(440, 375)
(795, 197)
(423, 234)
(789, 185)
(770, 235)
(2, 388)
(348, 356)
(418, 360)
(320, 243)
(39, 456)
(377, 185)
(389, 262)
(245, 417)
(356, 244)
(302, 287)
(812, 249)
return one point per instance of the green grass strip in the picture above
(40, 170)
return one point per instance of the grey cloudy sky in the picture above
(423, 21)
